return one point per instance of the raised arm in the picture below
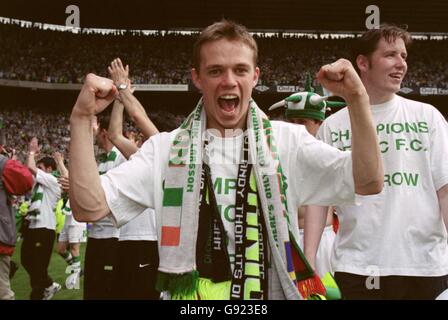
(33, 150)
(115, 131)
(341, 78)
(87, 198)
(59, 158)
(120, 75)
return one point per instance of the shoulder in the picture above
(283, 128)
(421, 109)
(42, 174)
(290, 136)
(337, 117)
(46, 178)
(281, 124)
(160, 140)
(16, 177)
(156, 147)
(415, 105)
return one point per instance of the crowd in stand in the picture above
(62, 57)
(53, 132)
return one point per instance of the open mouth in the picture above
(228, 102)
(396, 76)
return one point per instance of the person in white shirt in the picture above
(40, 234)
(394, 245)
(73, 232)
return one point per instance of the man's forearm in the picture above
(138, 114)
(31, 162)
(115, 132)
(368, 169)
(315, 221)
(129, 102)
(341, 78)
(62, 169)
(87, 198)
(116, 121)
(126, 147)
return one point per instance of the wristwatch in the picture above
(121, 86)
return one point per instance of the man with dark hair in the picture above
(47, 164)
(394, 245)
(368, 43)
(39, 237)
(223, 197)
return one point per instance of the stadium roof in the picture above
(313, 15)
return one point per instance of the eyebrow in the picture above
(243, 65)
(213, 66)
(395, 51)
(239, 65)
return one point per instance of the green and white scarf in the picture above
(178, 272)
(37, 197)
(36, 201)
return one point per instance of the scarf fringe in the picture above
(185, 284)
(311, 287)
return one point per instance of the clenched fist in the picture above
(342, 80)
(96, 94)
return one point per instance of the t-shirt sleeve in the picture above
(325, 173)
(439, 150)
(129, 188)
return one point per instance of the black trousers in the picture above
(136, 271)
(35, 256)
(99, 269)
(355, 287)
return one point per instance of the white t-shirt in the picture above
(400, 231)
(51, 194)
(316, 174)
(69, 218)
(142, 227)
(105, 228)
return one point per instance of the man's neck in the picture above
(379, 97)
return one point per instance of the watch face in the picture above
(122, 86)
